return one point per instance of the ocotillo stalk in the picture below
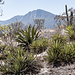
(67, 15)
(71, 18)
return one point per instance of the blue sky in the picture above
(21, 7)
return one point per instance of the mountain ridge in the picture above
(28, 18)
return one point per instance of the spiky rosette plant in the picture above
(54, 52)
(27, 36)
(39, 46)
(18, 62)
(71, 32)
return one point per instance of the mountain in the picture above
(28, 18)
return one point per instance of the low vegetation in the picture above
(71, 32)
(55, 52)
(60, 51)
(20, 59)
(61, 38)
(39, 46)
(18, 62)
(27, 36)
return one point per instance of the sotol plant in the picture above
(39, 46)
(71, 32)
(60, 38)
(54, 52)
(59, 52)
(68, 53)
(18, 62)
(27, 36)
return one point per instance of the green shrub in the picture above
(39, 46)
(68, 53)
(2, 48)
(60, 38)
(59, 52)
(71, 32)
(54, 52)
(18, 62)
(28, 36)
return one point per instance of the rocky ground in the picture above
(47, 69)
(47, 33)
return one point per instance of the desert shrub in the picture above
(27, 36)
(71, 32)
(54, 52)
(18, 62)
(5, 29)
(60, 38)
(68, 53)
(59, 52)
(39, 46)
(6, 35)
(8, 32)
(17, 26)
(2, 48)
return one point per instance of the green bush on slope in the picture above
(39, 46)
(18, 62)
(27, 36)
(59, 52)
(60, 38)
(71, 32)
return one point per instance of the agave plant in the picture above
(60, 38)
(54, 52)
(59, 52)
(71, 32)
(39, 46)
(27, 36)
(18, 62)
(68, 53)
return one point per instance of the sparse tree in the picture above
(17, 26)
(39, 23)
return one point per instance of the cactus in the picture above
(71, 18)
(67, 15)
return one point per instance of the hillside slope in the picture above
(28, 18)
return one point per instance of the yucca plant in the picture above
(59, 52)
(2, 55)
(71, 32)
(68, 54)
(60, 38)
(38, 46)
(18, 62)
(27, 36)
(54, 52)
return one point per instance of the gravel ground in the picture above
(50, 70)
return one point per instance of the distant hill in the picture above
(28, 18)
